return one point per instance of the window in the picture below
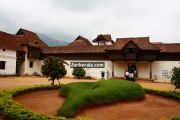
(101, 43)
(31, 64)
(131, 50)
(2, 65)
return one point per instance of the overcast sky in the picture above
(66, 19)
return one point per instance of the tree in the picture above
(54, 67)
(79, 72)
(175, 79)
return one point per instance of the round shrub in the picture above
(79, 72)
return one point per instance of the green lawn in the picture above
(101, 92)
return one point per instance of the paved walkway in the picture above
(158, 86)
(13, 82)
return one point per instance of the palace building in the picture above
(102, 57)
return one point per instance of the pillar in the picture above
(112, 68)
(150, 70)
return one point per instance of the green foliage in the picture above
(95, 93)
(79, 72)
(10, 109)
(83, 118)
(169, 94)
(54, 68)
(176, 117)
(175, 79)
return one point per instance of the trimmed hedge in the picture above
(169, 94)
(91, 93)
(11, 110)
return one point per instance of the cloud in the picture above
(65, 19)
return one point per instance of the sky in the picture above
(66, 19)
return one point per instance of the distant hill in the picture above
(51, 41)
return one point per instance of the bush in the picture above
(79, 72)
(95, 93)
(175, 79)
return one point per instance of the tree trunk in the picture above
(52, 82)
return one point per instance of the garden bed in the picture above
(42, 102)
(140, 109)
(153, 107)
(11, 110)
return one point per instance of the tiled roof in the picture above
(32, 39)
(17, 42)
(79, 45)
(142, 43)
(68, 49)
(169, 47)
(80, 42)
(11, 42)
(83, 46)
(104, 37)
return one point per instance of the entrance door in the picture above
(132, 68)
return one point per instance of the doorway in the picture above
(132, 68)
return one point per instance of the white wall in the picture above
(10, 66)
(143, 69)
(158, 66)
(93, 72)
(119, 68)
(26, 70)
(106, 43)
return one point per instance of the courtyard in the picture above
(27, 99)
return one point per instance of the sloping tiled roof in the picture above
(79, 45)
(105, 37)
(142, 42)
(68, 49)
(80, 42)
(83, 46)
(32, 39)
(169, 47)
(11, 42)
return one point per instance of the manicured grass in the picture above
(101, 92)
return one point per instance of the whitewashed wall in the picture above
(106, 43)
(10, 66)
(93, 72)
(26, 70)
(143, 69)
(158, 66)
(119, 68)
